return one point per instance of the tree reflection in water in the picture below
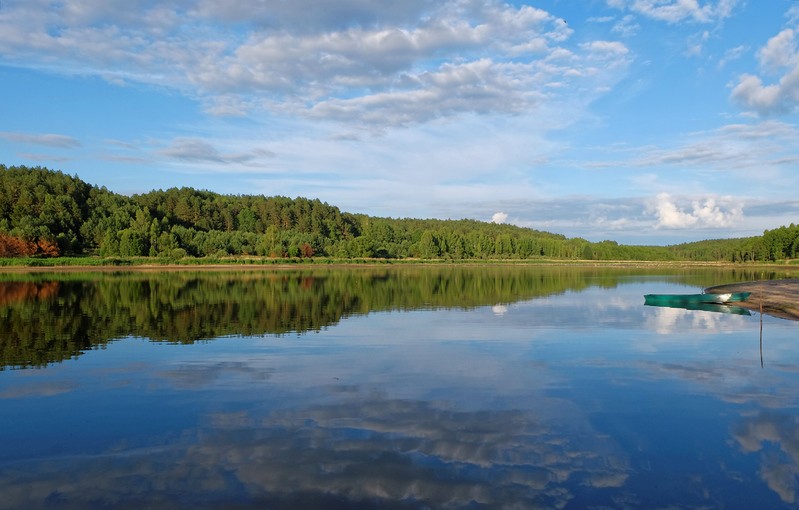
(520, 403)
(47, 318)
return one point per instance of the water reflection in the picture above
(49, 318)
(364, 454)
(537, 390)
(776, 437)
(326, 443)
(666, 320)
(354, 446)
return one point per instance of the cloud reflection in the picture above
(762, 425)
(776, 437)
(667, 321)
(39, 389)
(366, 452)
(198, 374)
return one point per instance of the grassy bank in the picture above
(240, 261)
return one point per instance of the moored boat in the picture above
(681, 299)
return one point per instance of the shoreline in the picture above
(778, 298)
(131, 265)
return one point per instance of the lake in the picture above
(392, 387)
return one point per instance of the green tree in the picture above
(427, 247)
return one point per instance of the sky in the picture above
(639, 121)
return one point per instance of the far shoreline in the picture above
(145, 264)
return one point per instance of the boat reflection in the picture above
(705, 307)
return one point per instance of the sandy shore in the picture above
(779, 298)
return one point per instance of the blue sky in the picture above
(641, 121)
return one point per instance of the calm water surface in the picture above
(391, 388)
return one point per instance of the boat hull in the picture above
(683, 299)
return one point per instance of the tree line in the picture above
(48, 213)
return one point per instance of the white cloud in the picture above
(671, 216)
(50, 140)
(732, 54)
(676, 11)
(499, 218)
(227, 106)
(696, 44)
(476, 87)
(752, 93)
(626, 27)
(310, 15)
(792, 14)
(779, 54)
(761, 131)
(707, 213)
(33, 156)
(195, 150)
(412, 62)
(607, 47)
(767, 148)
(601, 19)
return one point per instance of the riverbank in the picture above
(779, 298)
(240, 262)
(145, 264)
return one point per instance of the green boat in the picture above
(686, 299)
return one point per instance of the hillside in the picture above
(49, 213)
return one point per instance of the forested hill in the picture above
(49, 213)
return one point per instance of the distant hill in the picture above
(49, 213)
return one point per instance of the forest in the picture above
(47, 213)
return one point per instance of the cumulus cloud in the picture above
(708, 213)
(778, 56)
(583, 216)
(499, 218)
(779, 52)
(474, 87)
(671, 216)
(412, 62)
